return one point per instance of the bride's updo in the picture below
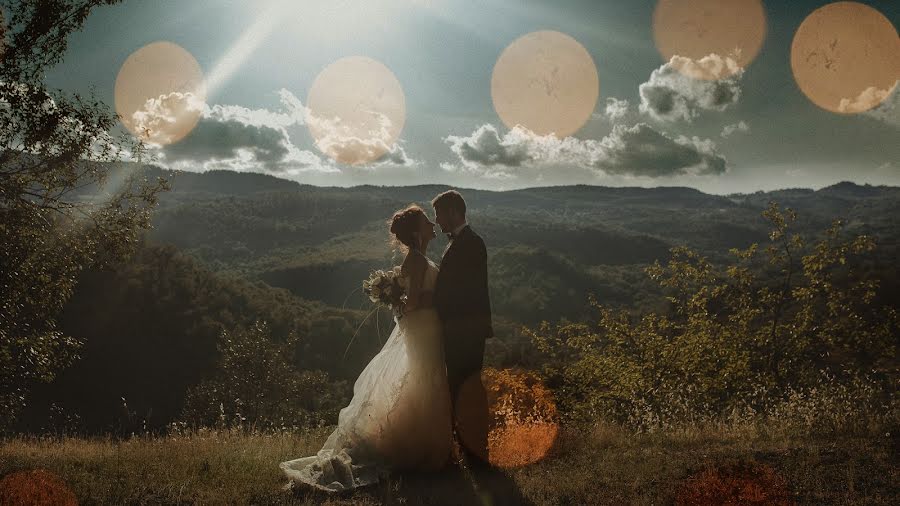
(404, 225)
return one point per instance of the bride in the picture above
(400, 414)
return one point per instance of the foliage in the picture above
(256, 385)
(53, 144)
(779, 323)
(151, 325)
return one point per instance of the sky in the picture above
(444, 91)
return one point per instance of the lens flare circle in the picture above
(357, 110)
(845, 57)
(36, 486)
(515, 410)
(160, 93)
(729, 29)
(546, 82)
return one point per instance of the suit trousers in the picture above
(464, 354)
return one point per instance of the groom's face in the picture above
(442, 217)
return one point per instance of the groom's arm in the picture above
(477, 308)
(484, 300)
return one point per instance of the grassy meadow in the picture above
(603, 464)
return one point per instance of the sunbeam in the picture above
(244, 46)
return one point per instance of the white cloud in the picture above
(639, 151)
(682, 88)
(162, 119)
(616, 109)
(740, 126)
(353, 144)
(888, 168)
(889, 109)
(869, 98)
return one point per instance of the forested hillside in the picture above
(229, 250)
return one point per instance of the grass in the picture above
(598, 465)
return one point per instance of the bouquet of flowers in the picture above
(384, 289)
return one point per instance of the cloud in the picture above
(238, 138)
(889, 109)
(869, 98)
(485, 146)
(740, 126)
(615, 108)
(682, 88)
(397, 156)
(639, 151)
(223, 137)
(643, 151)
(359, 142)
(163, 119)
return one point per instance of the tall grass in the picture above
(601, 463)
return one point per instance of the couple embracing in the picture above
(426, 379)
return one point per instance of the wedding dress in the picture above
(400, 414)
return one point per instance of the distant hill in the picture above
(320, 241)
(244, 247)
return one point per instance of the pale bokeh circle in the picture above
(693, 29)
(546, 82)
(356, 110)
(160, 92)
(845, 57)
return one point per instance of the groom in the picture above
(464, 307)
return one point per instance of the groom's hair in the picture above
(450, 199)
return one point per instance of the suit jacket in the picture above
(461, 291)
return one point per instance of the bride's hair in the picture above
(404, 224)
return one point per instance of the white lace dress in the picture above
(400, 414)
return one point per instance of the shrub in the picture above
(257, 385)
(787, 322)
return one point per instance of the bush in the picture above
(777, 325)
(256, 385)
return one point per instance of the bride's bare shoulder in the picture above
(413, 263)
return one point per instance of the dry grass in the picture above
(599, 465)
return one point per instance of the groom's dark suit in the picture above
(462, 302)
(464, 307)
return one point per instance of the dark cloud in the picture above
(639, 150)
(642, 151)
(215, 139)
(485, 147)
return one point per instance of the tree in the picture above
(57, 150)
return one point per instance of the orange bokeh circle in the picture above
(845, 57)
(516, 409)
(36, 487)
(731, 29)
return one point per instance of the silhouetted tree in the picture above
(53, 147)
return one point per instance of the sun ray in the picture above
(246, 44)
